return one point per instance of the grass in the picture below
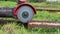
(47, 16)
(7, 4)
(47, 4)
(13, 4)
(14, 28)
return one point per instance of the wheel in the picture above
(25, 14)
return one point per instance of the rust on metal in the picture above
(43, 24)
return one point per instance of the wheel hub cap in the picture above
(25, 14)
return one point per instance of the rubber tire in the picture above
(27, 9)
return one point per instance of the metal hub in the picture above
(25, 14)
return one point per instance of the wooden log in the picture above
(44, 24)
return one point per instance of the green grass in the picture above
(7, 4)
(47, 16)
(52, 4)
(13, 4)
(47, 4)
(14, 28)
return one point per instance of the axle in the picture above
(6, 12)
